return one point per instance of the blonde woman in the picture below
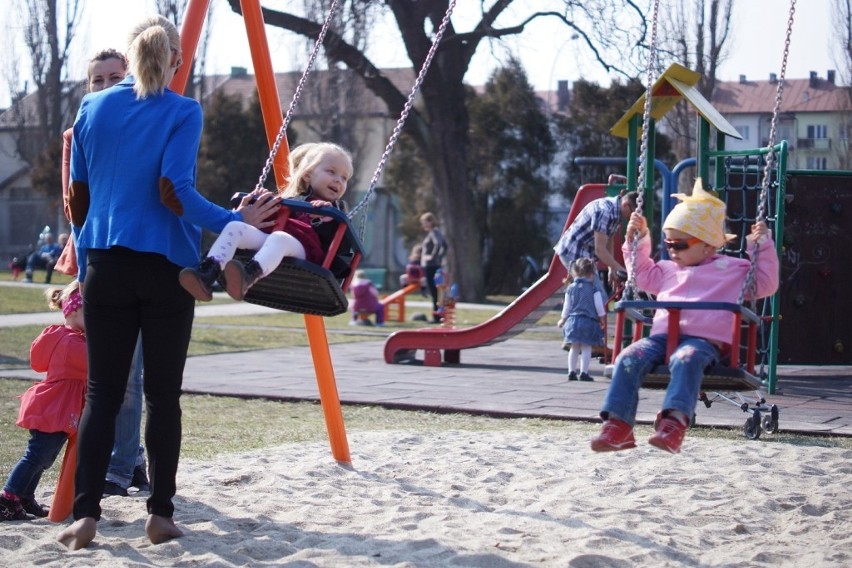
(136, 217)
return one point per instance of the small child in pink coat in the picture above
(51, 409)
(365, 298)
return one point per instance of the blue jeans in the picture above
(42, 450)
(127, 453)
(686, 366)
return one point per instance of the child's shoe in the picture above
(140, 479)
(572, 376)
(11, 509)
(239, 278)
(615, 435)
(586, 377)
(31, 506)
(199, 280)
(669, 435)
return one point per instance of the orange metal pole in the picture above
(267, 89)
(329, 397)
(190, 32)
(63, 497)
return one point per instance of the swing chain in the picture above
(770, 164)
(282, 132)
(630, 286)
(404, 115)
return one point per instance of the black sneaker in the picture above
(32, 507)
(586, 377)
(572, 376)
(140, 479)
(113, 488)
(11, 510)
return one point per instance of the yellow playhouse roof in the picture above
(676, 83)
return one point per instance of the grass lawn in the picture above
(225, 334)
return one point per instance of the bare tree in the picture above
(332, 105)
(174, 10)
(842, 40)
(48, 35)
(441, 128)
(694, 33)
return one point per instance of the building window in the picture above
(816, 163)
(817, 131)
(743, 130)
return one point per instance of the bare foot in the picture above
(160, 529)
(79, 534)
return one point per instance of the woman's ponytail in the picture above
(149, 54)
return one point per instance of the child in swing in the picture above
(50, 409)
(582, 319)
(319, 174)
(694, 230)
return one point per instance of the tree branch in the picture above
(338, 50)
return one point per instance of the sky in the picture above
(546, 51)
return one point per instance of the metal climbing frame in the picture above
(738, 178)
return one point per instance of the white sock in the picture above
(572, 358)
(585, 358)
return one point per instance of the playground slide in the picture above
(525, 311)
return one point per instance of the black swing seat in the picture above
(304, 287)
(730, 375)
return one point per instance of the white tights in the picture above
(271, 248)
(585, 355)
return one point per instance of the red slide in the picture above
(525, 311)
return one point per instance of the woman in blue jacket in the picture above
(137, 219)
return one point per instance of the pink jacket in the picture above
(720, 278)
(365, 295)
(56, 403)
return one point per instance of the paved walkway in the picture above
(524, 376)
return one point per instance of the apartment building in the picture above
(815, 117)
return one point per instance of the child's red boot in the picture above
(669, 435)
(615, 435)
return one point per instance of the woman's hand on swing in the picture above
(759, 232)
(637, 226)
(321, 203)
(259, 207)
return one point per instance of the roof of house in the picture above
(244, 86)
(798, 95)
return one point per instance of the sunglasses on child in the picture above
(681, 244)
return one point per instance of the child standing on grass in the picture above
(319, 175)
(582, 319)
(694, 232)
(50, 409)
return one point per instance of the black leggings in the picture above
(433, 290)
(125, 293)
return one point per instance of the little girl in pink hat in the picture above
(696, 272)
